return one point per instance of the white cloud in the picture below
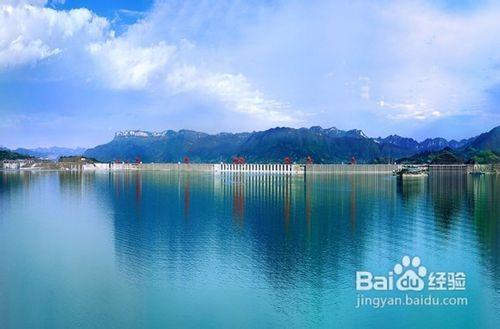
(437, 61)
(408, 110)
(237, 92)
(38, 3)
(404, 61)
(30, 33)
(20, 51)
(365, 89)
(122, 65)
(234, 90)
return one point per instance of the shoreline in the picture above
(295, 169)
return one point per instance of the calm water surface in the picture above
(166, 249)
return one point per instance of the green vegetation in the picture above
(77, 159)
(485, 157)
(449, 156)
(445, 156)
(9, 155)
(273, 145)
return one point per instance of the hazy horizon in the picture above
(72, 73)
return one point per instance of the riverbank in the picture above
(34, 165)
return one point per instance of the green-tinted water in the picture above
(163, 249)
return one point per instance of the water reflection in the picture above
(448, 193)
(293, 242)
(288, 223)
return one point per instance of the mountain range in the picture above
(51, 153)
(330, 145)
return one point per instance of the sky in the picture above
(73, 72)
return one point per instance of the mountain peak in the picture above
(330, 145)
(133, 133)
(356, 133)
(316, 128)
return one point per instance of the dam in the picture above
(251, 168)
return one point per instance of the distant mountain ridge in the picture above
(329, 145)
(429, 144)
(52, 153)
(487, 141)
(484, 148)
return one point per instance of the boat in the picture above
(408, 171)
(476, 171)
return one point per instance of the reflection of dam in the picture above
(260, 168)
(169, 223)
(154, 245)
(274, 168)
(259, 191)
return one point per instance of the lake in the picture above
(184, 249)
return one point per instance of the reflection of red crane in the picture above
(239, 202)
(287, 160)
(187, 197)
(353, 160)
(138, 187)
(186, 159)
(239, 160)
(309, 160)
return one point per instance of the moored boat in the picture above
(476, 171)
(408, 171)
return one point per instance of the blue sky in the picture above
(74, 72)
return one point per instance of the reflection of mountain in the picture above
(180, 227)
(11, 181)
(409, 189)
(314, 225)
(172, 245)
(72, 182)
(484, 200)
(447, 194)
(152, 212)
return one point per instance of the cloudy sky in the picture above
(73, 72)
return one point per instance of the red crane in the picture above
(287, 160)
(186, 159)
(309, 160)
(239, 160)
(353, 160)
